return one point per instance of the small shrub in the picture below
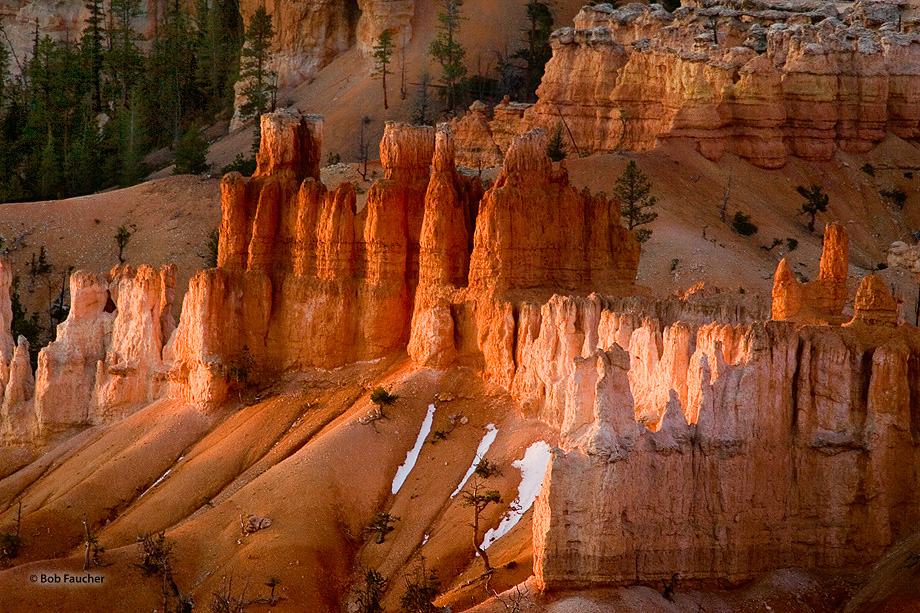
(9, 545)
(896, 196)
(555, 148)
(792, 244)
(241, 368)
(487, 469)
(383, 398)
(422, 587)
(881, 266)
(192, 152)
(869, 169)
(381, 525)
(742, 224)
(333, 158)
(244, 166)
(908, 175)
(368, 595)
(122, 237)
(209, 256)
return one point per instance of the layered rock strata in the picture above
(763, 81)
(106, 362)
(293, 256)
(724, 449)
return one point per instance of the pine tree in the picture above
(383, 50)
(256, 57)
(815, 202)
(633, 190)
(124, 58)
(447, 50)
(538, 51)
(92, 46)
(555, 148)
(192, 152)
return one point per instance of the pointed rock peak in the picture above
(443, 160)
(835, 257)
(290, 141)
(406, 149)
(526, 159)
(784, 276)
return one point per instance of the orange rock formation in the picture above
(822, 300)
(762, 82)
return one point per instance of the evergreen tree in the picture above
(92, 46)
(256, 57)
(538, 51)
(633, 190)
(446, 50)
(555, 148)
(123, 60)
(192, 153)
(383, 50)
(816, 201)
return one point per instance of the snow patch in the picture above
(484, 444)
(412, 457)
(160, 480)
(533, 469)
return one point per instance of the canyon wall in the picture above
(762, 80)
(722, 450)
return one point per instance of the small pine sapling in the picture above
(633, 190)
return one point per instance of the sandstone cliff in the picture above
(761, 81)
(430, 246)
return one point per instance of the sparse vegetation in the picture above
(792, 244)
(477, 496)
(421, 101)
(11, 541)
(243, 165)
(742, 224)
(868, 168)
(383, 398)
(241, 368)
(555, 148)
(422, 587)
(209, 256)
(381, 525)
(92, 548)
(369, 593)
(447, 51)
(192, 152)
(633, 190)
(122, 238)
(333, 158)
(815, 202)
(260, 82)
(383, 50)
(157, 562)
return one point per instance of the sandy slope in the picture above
(172, 217)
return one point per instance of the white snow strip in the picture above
(160, 480)
(484, 444)
(412, 457)
(425, 540)
(533, 469)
